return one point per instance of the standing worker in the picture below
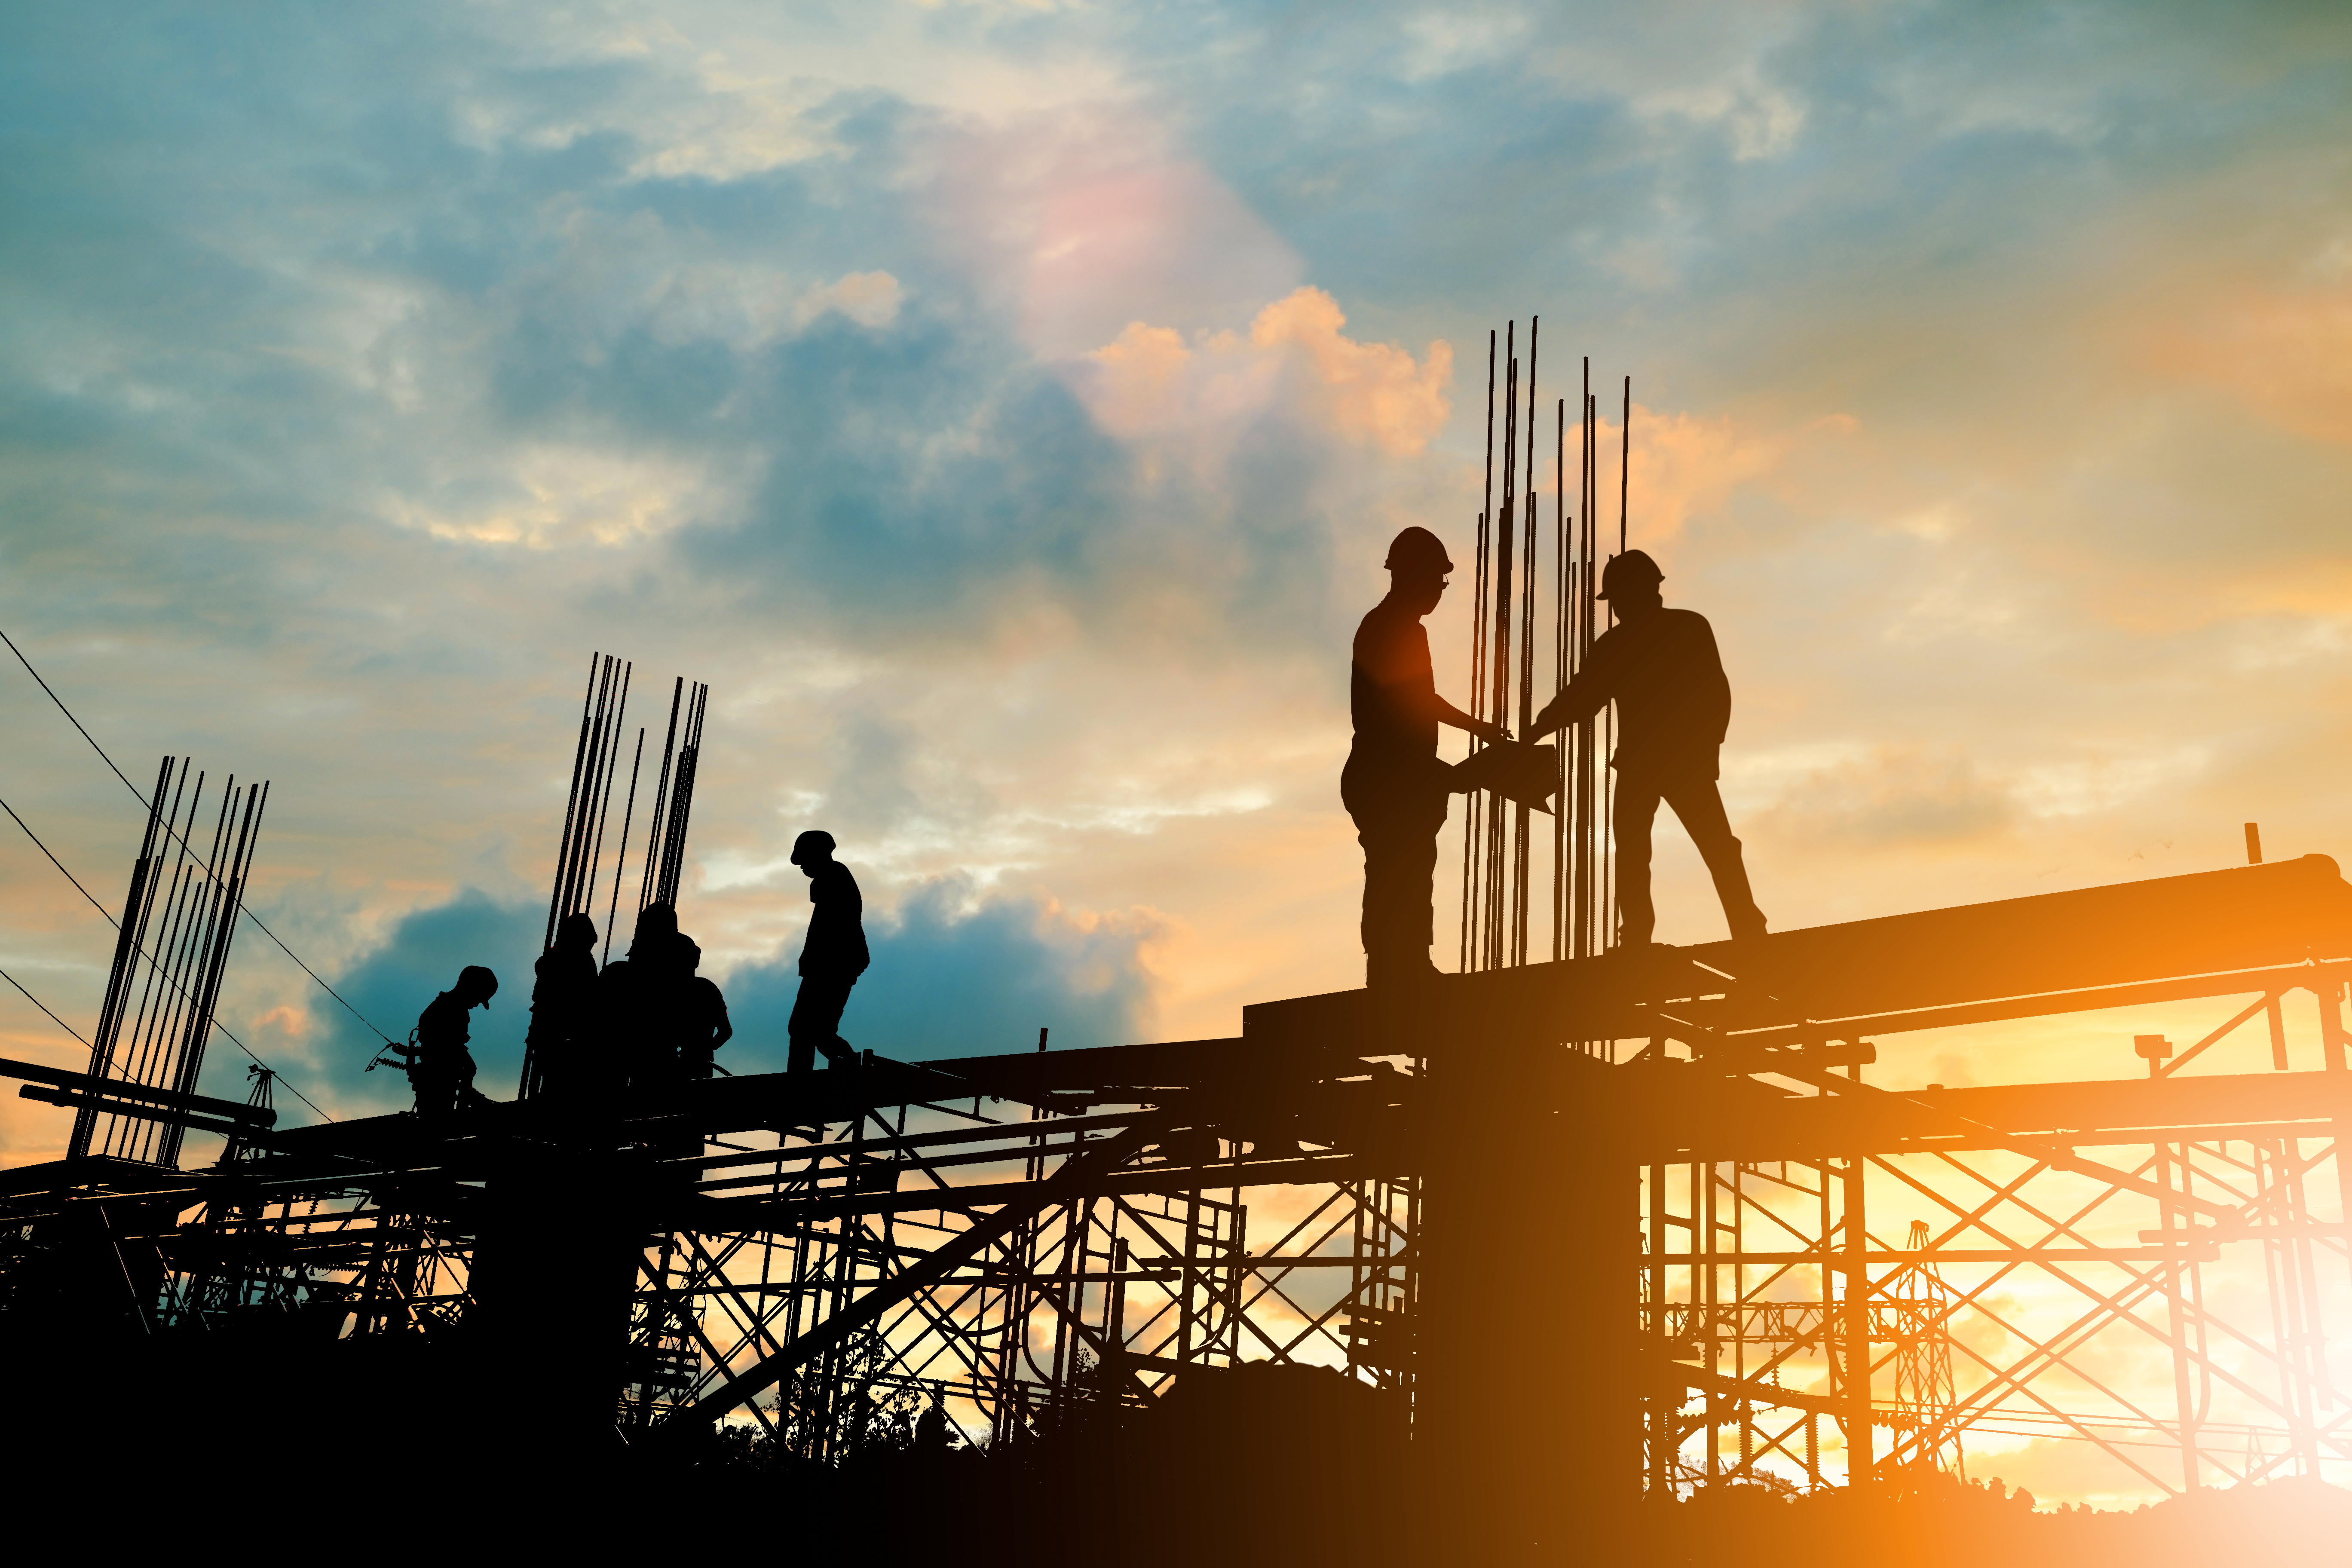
(1674, 705)
(440, 1068)
(832, 958)
(1393, 787)
(702, 1024)
(560, 1010)
(637, 998)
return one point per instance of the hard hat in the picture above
(816, 840)
(1417, 549)
(474, 980)
(1631, 571)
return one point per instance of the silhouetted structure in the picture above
(832, 958)
(440, 1068)
(1674, 705)
(170, 951)
(1394, 786)
(1590, 1252)
(1581, 1273)
(563, 1036)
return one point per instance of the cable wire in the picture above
(102, 910)
(44, 1006)
(240, 1044)
(242, 908)
(60, 865)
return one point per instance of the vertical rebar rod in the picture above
(605, 799)
(570, 804)
(1506, 518)
(1562, 633)
(599, 747)
(620, 864)
(1521, 818)
(661, 797)
(1609, 726)
(118, 976)
(1473, 815)
(1597, 763)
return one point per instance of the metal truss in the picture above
(2028, 1298)
(1762, 1268)
(799, 1286)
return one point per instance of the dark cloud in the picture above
(957, 976)
(418, 960)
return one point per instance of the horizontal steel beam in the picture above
(258, 1116)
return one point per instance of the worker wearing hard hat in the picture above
(1661, 668)
(1394, 786)
(832, 958)
(440, 1068)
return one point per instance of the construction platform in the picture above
(1588, 1229)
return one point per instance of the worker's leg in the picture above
(838, 1051)
(809, 1024)
(816, 1015)
(436, 1093)
(1635, 811)
(1699, 804)
(1399, 864)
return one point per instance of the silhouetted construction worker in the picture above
(1674, 705)
(702, 1026)
(562, 1006)
(832, 958)
(1393, 787)
(440, 1068)
(637, 997)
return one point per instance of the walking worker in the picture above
(1394, 786)
(1673, 706)
(832, 958)
(440, 1068)
(562, 1007)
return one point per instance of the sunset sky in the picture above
(1005, 407)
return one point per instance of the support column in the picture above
(1529, 1404)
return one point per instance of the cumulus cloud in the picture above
(868, 298)
(392, 985)
(1005, 411)
(1149, 382)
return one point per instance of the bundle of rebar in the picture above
(594, 763)
(173, 949)
(596, 768)
(1502, 890)
(673, 798)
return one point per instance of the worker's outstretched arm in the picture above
(1449, 714)
(1586, 694)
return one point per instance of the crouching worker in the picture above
(440, 1068)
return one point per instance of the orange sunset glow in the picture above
(1011, 413)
